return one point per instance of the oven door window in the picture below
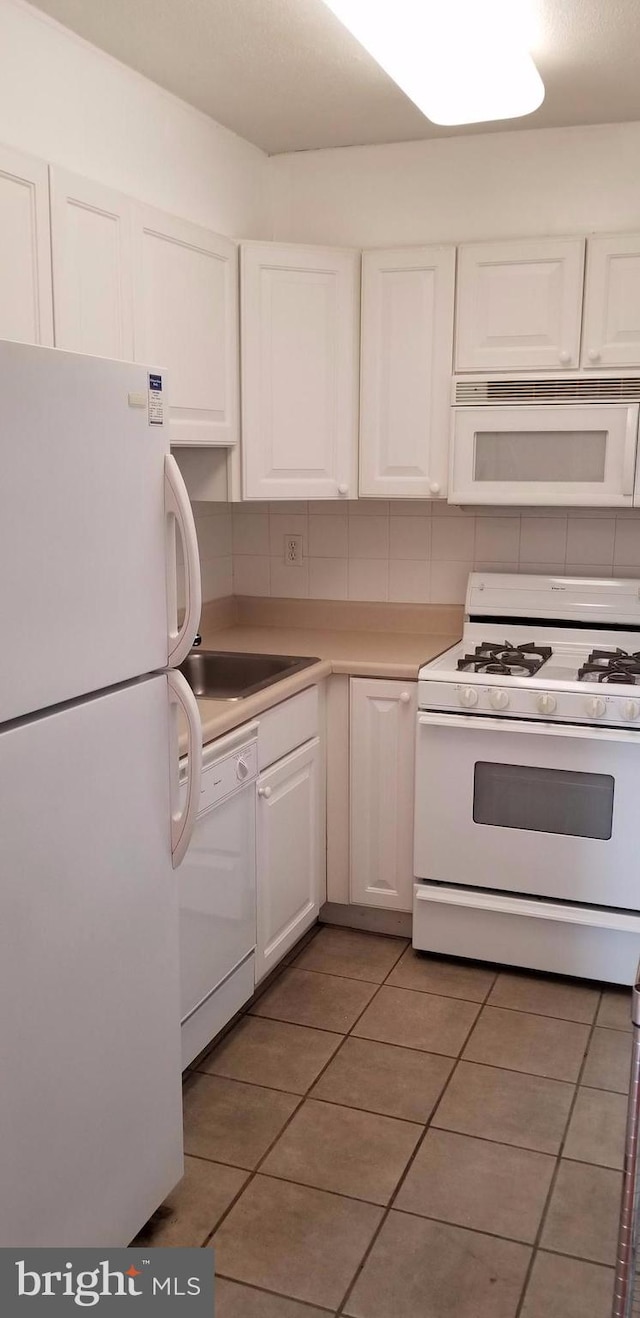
(543, 800)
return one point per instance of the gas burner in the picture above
(616, 666)
(509, 660)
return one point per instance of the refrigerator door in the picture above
(90, 1100)
(89, 502)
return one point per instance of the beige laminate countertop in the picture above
(355, 653)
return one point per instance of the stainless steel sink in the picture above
(224, 675)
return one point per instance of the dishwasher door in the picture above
(217, 887)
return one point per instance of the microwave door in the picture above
(544, 455)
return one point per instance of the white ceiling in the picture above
(286, 75)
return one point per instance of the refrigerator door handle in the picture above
(182, 821)
(178, 506)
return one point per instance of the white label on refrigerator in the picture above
(156, 411)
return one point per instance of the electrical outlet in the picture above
(292, 550)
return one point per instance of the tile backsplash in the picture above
(403, 551)
(213, 527)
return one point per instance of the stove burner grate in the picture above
(506, 659)
(615, 666)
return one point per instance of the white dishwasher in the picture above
(217, 887)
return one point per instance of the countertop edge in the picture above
(232, 714)
(221, 716)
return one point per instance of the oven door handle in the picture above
(484, 723)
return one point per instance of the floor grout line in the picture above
(487, 1139)
(373, 1112)
(431, 1052)
(427, 1125)
(263, 1290)
(425, 1052)
(295, 1111)
(540, 1015)
(554, 1179)
(302, 1099)
(279, 1295)
(411, 1160)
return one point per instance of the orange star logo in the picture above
(132, 1272)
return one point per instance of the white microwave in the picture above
(545, 441)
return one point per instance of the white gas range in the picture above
(528, 779)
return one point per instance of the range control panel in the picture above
(527, 702)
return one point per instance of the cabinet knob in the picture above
(565, 357)
(434, 487)
(264, 791)
(343, 489)
(405, 697)
(593, 355)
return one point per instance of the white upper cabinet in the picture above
(611, 328)
(519, 305)
(383, 729)
(92, 267)
(299, 334)
(186, 319)
(26, 311)
(406, 361)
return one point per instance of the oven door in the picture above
(544, 455)
(536, 808)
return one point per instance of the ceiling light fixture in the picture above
(459, 61)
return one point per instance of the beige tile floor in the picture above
(385, 1134)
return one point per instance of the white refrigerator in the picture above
(91, 827)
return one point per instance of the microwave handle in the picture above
(630, 450)
(579, 731)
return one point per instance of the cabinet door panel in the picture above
(519, 305)
(289, 852)
(299, 372)
(383, 723)
(407, 347)
(26, 306)
(611, 332)
(186, 318)
(92, 267)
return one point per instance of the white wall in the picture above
(71, 104)
(562, 180)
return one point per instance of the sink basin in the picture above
(224, 675)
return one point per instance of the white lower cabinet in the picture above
(383, 727)
(290, 851)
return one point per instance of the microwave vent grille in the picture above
(479, 393)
